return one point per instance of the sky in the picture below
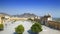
(38, 7)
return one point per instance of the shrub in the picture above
(19, 29)
(36, 28)
(1, 27)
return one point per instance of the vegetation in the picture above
(14, 20)
(19, 29)
(3, 18)
(37, 20)
(1, 27)
(36, 28)
(30, 19)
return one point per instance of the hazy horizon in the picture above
(38, 7)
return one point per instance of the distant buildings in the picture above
(47, 20)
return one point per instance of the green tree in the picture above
(30, 19)
(19, 29)
(36, 28)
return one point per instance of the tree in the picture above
(37, 20)
(30, 19)
(36, 28)
(2, 17)
(19, 29)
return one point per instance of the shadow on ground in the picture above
(14, 33)
(30, 32)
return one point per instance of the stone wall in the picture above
(53, 24)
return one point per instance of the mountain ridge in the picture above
(26, 15)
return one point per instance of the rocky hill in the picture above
(26, 15)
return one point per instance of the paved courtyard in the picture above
(10, 26)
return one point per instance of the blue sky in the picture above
(38, 7)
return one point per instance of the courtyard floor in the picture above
(9, 28)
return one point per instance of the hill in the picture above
(26, 15)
